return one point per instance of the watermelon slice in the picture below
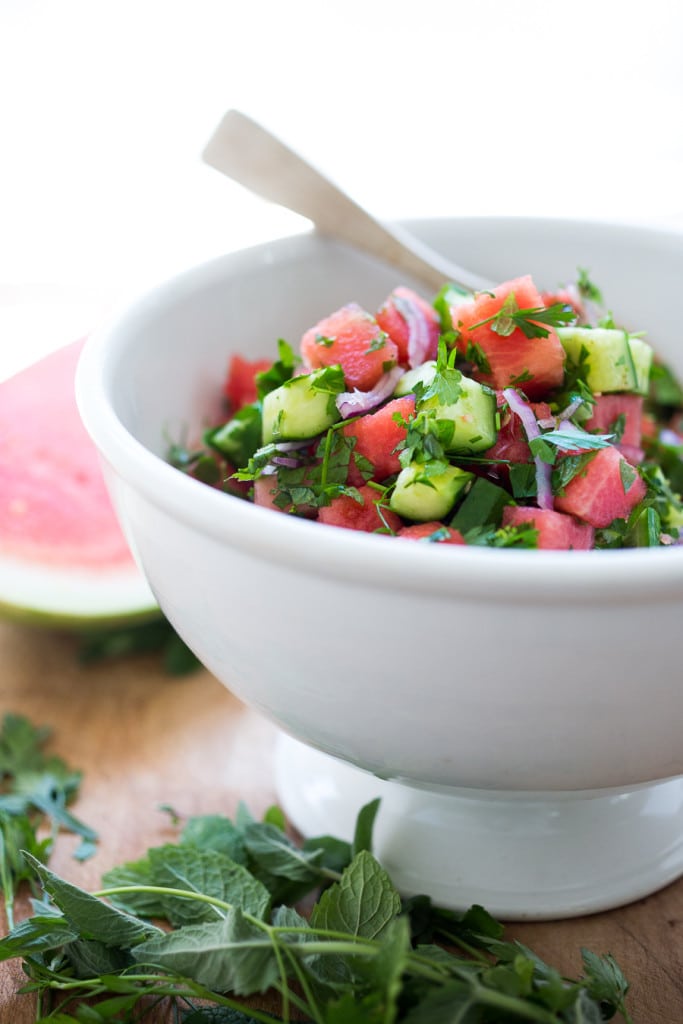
(63, 558)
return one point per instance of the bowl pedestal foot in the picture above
(534, 856)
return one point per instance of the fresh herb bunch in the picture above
(35, 791)
(227, 889)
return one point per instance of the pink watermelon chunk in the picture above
(608, 409)
(240, 383)
(377, 436)
(352, 338)
(536, 363)
(347, 512)
(63, 556)
(607, 488)
(425, 531)
(392, 318)
(556, 531)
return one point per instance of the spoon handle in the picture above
(244, 151)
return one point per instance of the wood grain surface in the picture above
(143, 738)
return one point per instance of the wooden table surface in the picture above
(143, 738)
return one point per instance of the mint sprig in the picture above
(362, 953)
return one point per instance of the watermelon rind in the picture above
(68, 598)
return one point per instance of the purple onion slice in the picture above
(354, 403)
(522, 409)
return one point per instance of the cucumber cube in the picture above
(302, 407)
(614, 360)
(421, 496)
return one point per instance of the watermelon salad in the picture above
(509, 418)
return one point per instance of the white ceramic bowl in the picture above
(432, 665)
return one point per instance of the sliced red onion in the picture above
(285, 461)
(292, 446)
(419, 330)
(670, 437)
(553, 422)
(544, 495)
(569, 411)
(353, 403)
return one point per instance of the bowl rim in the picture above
(483, 574)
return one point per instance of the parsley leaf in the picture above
(282, 370)
(588, 290)
(529, 321)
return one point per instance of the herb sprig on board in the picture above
(225, 893)
(36, 789)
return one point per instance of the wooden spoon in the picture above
(244, 151)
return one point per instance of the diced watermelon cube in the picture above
(265, 492)
(352, 338)
(536, 364)
(240, 383)
(377, 436)
(391, 317)
(607, 488)
(608, 410)
(556, 531)
(567, 297)
(347, 512)
(435, 532)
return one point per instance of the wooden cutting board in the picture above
(143, 738)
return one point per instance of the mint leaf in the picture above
(362, 837)
(229, 955)
(37, 935)
(90, 915)
(215, 832)
(363, 903)
(207, 872)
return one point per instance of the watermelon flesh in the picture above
(537, 363)
(345, 511)
(377, 436)
(607, 488)
(63, 554)
(434, 532)
(352, 338)
(240, 383)
(556, 531)
(626, 408)
(394, 316)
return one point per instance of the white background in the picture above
(416, 108)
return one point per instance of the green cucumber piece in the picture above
(422, 496)
(423, 374)
(614, 359)
(302, 407)
(473, 415)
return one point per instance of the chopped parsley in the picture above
(529, 321)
